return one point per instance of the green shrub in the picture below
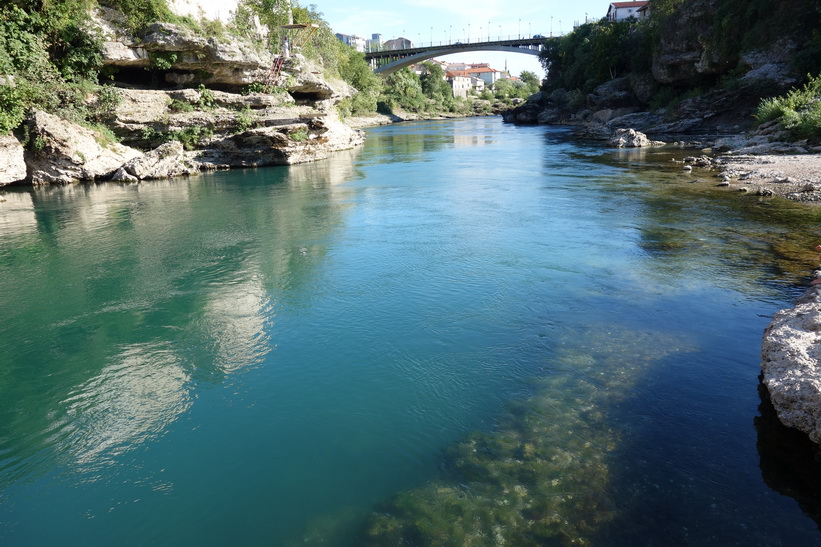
(207, 99)
(300, 135)
(798, 112)
(254, 87)
(12, 109)
(177, 105)
(245, 119)
(161, 60)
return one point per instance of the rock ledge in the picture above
(791, 363)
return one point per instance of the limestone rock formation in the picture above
(630, 138)
(12, 162)
(63, 152)
(791, 363)
(165, 161)
(228, 60)
(309, 140)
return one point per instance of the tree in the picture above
(434, 85)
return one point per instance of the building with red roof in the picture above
(619, 11)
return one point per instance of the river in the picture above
(463, 332)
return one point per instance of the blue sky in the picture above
(452, 20)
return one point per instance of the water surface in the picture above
(394, 344)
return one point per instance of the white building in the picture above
(619, 11)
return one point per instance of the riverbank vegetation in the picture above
(687, 50)
(798, 112)
(51, 59)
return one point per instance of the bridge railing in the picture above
(459, 42)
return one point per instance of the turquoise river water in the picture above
(464, 332)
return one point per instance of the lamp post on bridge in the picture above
(488, 31)
(520, 29)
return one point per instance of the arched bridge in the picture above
(389, 61)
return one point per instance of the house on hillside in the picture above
(483, 71)
(619, 11)
(463, 83)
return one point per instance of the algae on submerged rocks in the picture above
(543, 475)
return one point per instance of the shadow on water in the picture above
(790, 461)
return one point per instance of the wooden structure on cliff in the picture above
(302, 33)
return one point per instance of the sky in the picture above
(452, 21)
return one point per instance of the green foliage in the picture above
(404, 90)
(12, 110)
(435, 87)
(354, 69)
(505, 89)
(141, 13)
(300, 135)
(106, 102)
(530, 79)
(161, 60)
(28, 42)
(255, 87)
(595, 53)
(177, 105)
(798, 112)
(207, 99)
(190, 137)
(245, 119)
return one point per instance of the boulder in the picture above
(12, 161)
(630, 138)
(791, 364)
(165, 161)
(62, 152)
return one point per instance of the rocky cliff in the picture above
(706, 73)
(180, 103)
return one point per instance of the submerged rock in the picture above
(791, 364)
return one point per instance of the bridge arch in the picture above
(399, 59)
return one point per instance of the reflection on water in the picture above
(790, 462)
(143, 290)
(131, 401)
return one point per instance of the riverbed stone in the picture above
(791, 364)
(630, 138)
